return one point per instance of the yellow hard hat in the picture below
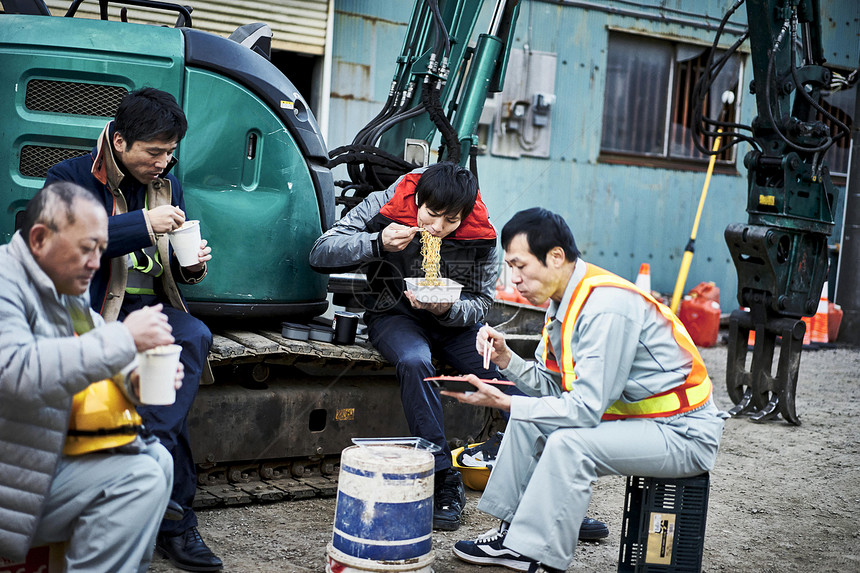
(465, 458)
(473, 477)
(102, 418)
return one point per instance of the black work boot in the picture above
(449, 501)
(592, 530)
(188, 551)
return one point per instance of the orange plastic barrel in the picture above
(701, 317)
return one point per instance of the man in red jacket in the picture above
(382, 237)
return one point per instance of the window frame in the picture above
(726, 165)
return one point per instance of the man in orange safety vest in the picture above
(617, 387)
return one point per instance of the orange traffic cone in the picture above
(807, 336)
(819, 321)
(643, 279)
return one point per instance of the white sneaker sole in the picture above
(514, 564)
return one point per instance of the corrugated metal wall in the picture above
(297, 25)
(621, 215)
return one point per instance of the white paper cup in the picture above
(186, 243)
(157, 369)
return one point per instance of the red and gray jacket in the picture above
(468, 256)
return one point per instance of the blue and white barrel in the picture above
(384, 515)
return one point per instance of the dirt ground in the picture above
(782, 498)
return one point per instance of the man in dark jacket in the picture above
(128, 172)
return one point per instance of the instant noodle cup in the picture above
(447, 291)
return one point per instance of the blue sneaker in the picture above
(489, 549)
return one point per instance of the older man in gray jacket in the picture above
(106, 504)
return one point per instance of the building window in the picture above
(649, 101)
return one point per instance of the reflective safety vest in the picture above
(689, 395)
(144, 266)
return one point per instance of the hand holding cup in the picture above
(149, 327)
(188, 246)
(158, 375)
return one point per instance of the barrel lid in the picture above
(387, 458)
(411, 441)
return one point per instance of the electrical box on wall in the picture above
(522, 113)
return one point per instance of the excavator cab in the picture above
(252, 166)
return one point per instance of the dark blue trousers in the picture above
(410, 345)
(170, 423)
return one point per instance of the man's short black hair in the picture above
(147, 114)
(52, 204)
(544, 230)
(447, 188)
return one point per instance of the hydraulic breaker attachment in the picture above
(781, 252)
(757, 391)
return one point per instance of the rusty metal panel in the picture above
(621, 215)
(368, 37)
(517, 128)
(840, 31)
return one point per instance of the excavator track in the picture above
(237, 347)
(248, 358)
(272, 424)
(224, 486)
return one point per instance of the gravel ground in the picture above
(782, 497)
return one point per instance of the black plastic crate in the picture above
(664, 525)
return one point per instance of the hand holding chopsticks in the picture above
(490, 344)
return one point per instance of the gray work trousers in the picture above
(108, 508)
(541, 483)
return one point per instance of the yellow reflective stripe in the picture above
(545, 339)
(148, 267)
(137, 266)
(566, 365)
(662, 404)
(667, 403)
(158, 258)
(81, 320)
(133, 290)
(580, 294)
